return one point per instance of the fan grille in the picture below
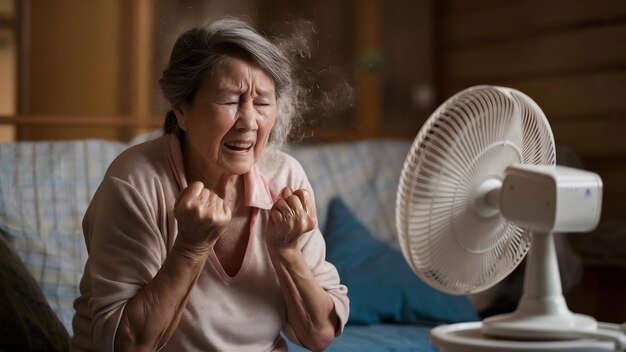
(469, 139)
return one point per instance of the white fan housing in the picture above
(480, 178)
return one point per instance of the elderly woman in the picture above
(197, 240)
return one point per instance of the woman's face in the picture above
(229, 121)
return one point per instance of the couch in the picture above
(45, 188)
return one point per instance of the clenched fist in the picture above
(201, 214)
(292, 215)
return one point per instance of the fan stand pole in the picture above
(542, 293)
(542, 312)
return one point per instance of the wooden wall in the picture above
(569, 56)
(370, 75)
(86, 59)
(380, 51)
(8, 66)
(101, 60)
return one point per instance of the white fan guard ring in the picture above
(469, 139)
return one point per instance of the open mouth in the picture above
(238, 146)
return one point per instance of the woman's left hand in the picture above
(310, 309)
(292, 215)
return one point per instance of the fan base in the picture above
(468, 337)
(521, 325)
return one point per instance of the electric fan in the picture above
(478, 190)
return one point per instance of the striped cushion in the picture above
(45, 188)
(365, 174)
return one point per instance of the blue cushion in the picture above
(381, 285)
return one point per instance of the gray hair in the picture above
(199, 52)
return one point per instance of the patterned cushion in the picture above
(365, 174)
(45, 188)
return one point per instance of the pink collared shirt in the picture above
(130, 227)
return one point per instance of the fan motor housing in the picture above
(547, 198)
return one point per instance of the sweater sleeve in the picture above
(313, 248)
(126, 250)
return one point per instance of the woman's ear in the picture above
(180, 110)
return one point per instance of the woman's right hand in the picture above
(202, 216)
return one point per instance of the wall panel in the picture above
(569, 56)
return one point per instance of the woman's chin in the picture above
(239, 167)
(237, 162)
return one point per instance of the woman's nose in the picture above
(246, 119)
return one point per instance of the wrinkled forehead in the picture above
(240, 74)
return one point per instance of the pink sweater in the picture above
(130, 227)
